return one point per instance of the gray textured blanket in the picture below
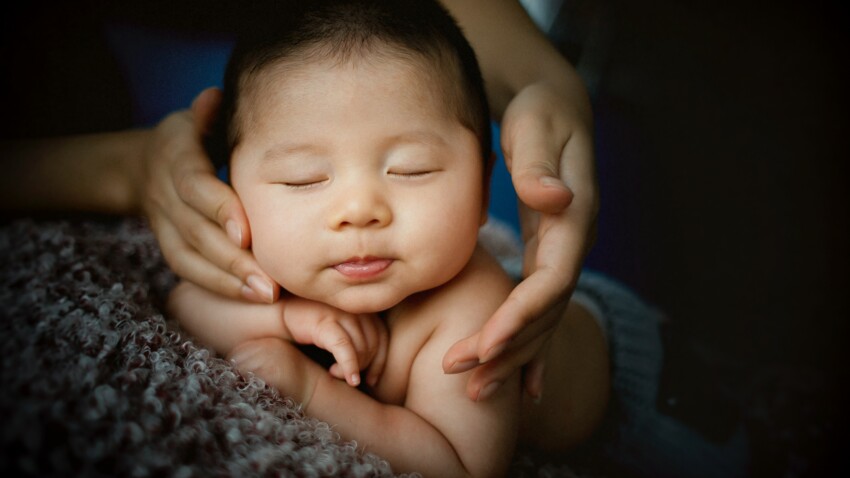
(95, 381)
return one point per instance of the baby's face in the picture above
(361, 188)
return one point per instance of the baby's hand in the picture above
(357, 341)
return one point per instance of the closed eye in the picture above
(412, 174)
(306, 184)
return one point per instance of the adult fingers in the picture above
(558, 246)
(533, 155)
(205, 108)
(525, 351)
(578, 171)
(520, 319)
(525, 306)
(181, 190)
(207, 239)
(462, 356)
(198, 186)
(487, 378)
(192, 266)
(197, 183)
(532, 378)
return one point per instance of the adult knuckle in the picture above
(237, 264)
(186, 184)
(194, 233)
(222, 209)
(226, 285)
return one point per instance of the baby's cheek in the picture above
(286, 263)
(269, 256)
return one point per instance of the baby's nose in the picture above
(361, 206)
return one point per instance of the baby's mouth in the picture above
(363, 267)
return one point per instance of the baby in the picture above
(357, 135)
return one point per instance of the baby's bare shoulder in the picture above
(466, 302)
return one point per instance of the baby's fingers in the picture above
(336, 340)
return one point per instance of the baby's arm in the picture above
(436, 430)
(356, 341)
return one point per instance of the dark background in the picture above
(722, 153)
(722, 157)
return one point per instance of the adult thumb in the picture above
(205, 108)
(534, 171)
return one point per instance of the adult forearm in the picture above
(514, 53)
(92, 173)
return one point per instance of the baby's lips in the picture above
(363, 268)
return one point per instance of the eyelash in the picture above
(308, 185)
(411, 175)
(313, 184)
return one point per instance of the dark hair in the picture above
(421, 30)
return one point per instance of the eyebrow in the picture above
(417, 136)
(290, 148)
(281, 150)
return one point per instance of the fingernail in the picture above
(250, 294)
(494, 352)
(261, 287)
(550, 182)
(355, 380)
(234, 232)
(488, 391)
(537, 398)
(460, 367)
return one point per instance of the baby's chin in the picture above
(364, 305)
(367, 298)
(361, 302)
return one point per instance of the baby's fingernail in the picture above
(460, 367)
(488, 390)
(550, 182)
(355, 380)
(234, 232)
(261, 287)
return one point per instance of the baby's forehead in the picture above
(366, 61)
(422, 74)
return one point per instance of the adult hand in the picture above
(198, 220)
(548, 146)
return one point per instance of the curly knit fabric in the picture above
(95, 382)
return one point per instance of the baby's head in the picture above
(419, 33)
(358, 134)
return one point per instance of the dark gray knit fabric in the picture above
(96, 382)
